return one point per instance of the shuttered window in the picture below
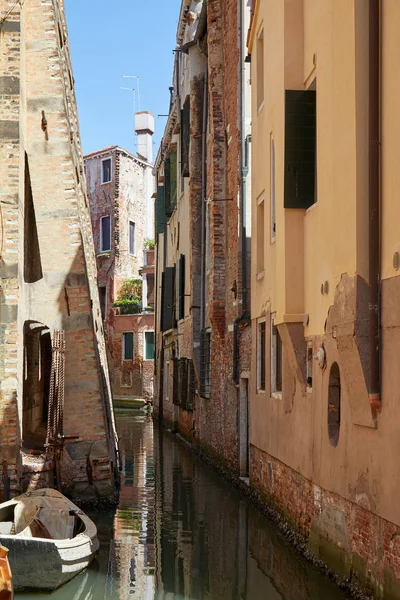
(127, 345)
(168, 299)
(159, 211)
(180, 288)
(170, 184)
(300, 148)
(205, 362)
(185, 139)
(149, 345)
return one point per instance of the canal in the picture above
(181, 532)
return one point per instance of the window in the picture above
(106, 170)
(260, 70)
(149, 345)
(260, 235)
(261, 356)
(131, 237)
(300, 148)
(102, 298)
(272, 190)
(127, 345)
(309, 366)
(105, 234)
(276, 360)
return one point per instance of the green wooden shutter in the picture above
(181, 283)
(149, 338)
(300, 148)
(159, 212)
(167, 299)
(127, 345)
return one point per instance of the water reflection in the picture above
(181, 532)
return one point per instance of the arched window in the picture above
(334, 405)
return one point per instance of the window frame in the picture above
(276, 361)
(260, 254)
(103, 160)
(102, 249)
(124, 333)
(129, 237)
(145, 344)
(260, 389)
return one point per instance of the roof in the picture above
(109, 149)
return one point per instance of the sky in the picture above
(111, 39)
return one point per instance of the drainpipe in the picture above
(374, 204)
(244, 317)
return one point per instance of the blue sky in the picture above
(107, 40)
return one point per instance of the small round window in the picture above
(334, 405)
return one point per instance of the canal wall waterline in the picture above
(266, 505)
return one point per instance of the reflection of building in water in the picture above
(133, 557)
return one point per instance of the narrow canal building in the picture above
(325, 278)
(56, 418)
(120, 189)
(202, 235)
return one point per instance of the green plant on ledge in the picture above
(129, 307)
(129, 297)
(149, 244)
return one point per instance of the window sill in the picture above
(260, 392)
(259, 109)
(276, 395)
(104, 254)
(260, 275)
(105, 182)
(312, 207)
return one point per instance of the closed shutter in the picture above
(191, 386)
(181, 288)
(167, 299)
(159, 212)
(175, 397)
(185, 139)
(300, 148)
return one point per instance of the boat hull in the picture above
(47, 564)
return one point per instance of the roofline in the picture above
(108, 149)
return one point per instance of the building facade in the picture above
(202, 235)
(56, 417)
(120, 188)
(324, 278)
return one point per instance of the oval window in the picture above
(334, 405)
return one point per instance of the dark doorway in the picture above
(36, 388)
(334, 394)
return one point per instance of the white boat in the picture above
(50, 539)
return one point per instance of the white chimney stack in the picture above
(144, 127)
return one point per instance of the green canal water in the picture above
(182, 532)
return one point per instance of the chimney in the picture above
(144, 127)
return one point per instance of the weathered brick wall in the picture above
(348, 536)
(63, 294)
